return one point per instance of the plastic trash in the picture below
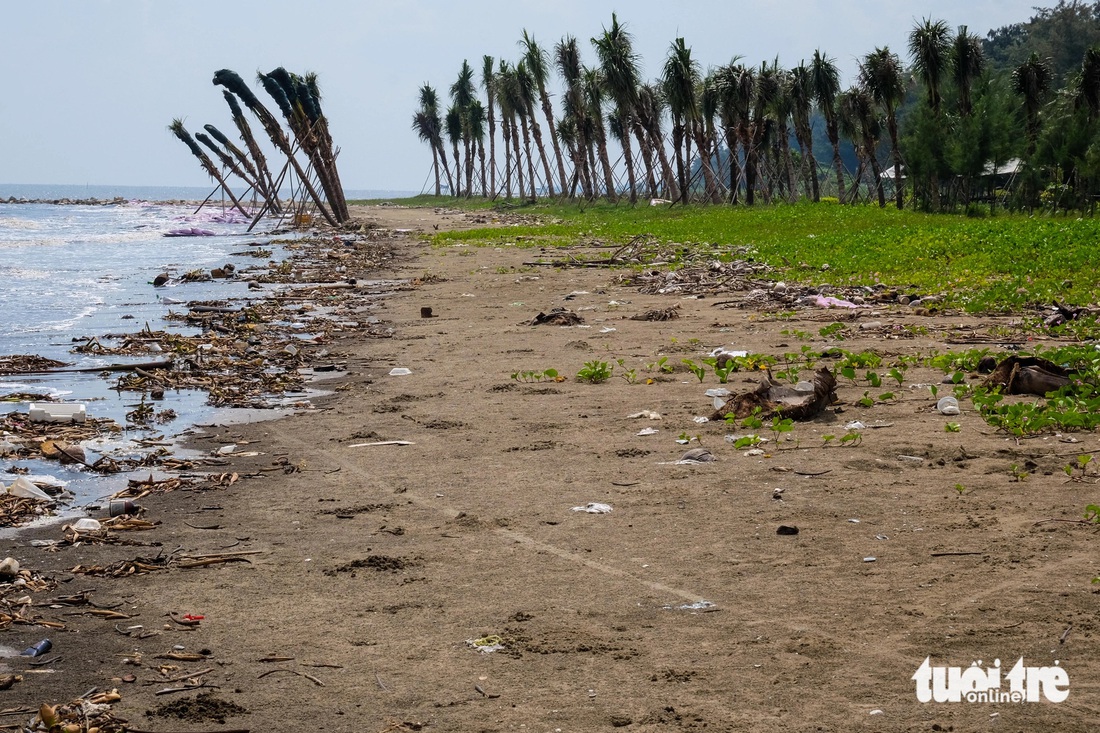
(647, 431)
(827, 301)
(400, 372)
(24, 489)
(593, 507)
(647, 414)
(948, 405)
(46, 412)
(118, 507)
(38, 649)
(86, 524)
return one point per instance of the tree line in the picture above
(957, 122)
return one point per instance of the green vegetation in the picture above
(595, 371)
(1001, 263)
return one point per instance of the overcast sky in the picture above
(90, 87)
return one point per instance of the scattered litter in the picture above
(771, 398)
(786, 529)
(24, 489)
(855, 425)
(400, 372)
(718, 392)
(608, 329)
(948, 406)
(87, 524)
(648, 414)
(38, 649)
(777, 494)
(827, 301)
(870, 325)
(854, 521)
(910, 459)
(46, 412)
(697, 606)
(660, 314)
(754, 452)
(696, 455)
(870, 558)
(486, 644)
(648, 431)
(381, 442)
(881, 537)
(1027, 375)
(701, 420)
(556, 317)
(593, 507)
(879, 712)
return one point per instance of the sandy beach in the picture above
(407, 556)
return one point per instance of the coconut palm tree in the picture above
(765, 91)
(567, 136)
(801, 94)
(881, 73)
(180, 132)
(433, 123)
(462, 94)
(681, 75)
(233, 82)
(528, 90)
(253, 176)
(568, 61)
(228, 162)
(734, 90)
(706, 138)
(967, 63)
(453, 123)
(782, 109)
(254, 150)
(620, 76)
(427, 131)
(651, 104)
(511, 109)
(825, 78)
(1032, 81)
(475, 117)
(857, 118)
(487, 84)
(538, 66)
(593, 93)
(1088, 84)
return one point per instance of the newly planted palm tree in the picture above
(538, 67)
(568, 61)
(593, 94)
(231, 81)
(254, 149)
(429, 108)
(826, 84)
(800, 92)
(881, 73)
(488, 85)
(512, 110)
(228, 162)
(861, 125)
(426, 129)
(453, 124)
(475, 118)
(528, 90)
(681, 75)
(620, 77)
(251, 173)
(180, 132)
(462, 94)
(651, 104)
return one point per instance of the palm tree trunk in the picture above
(628, 156)
(735, 164)
(548, 112)
(492, 150)
(506, 134)
(681, 165)
(752, 167)
(834, 139)
(443, 162)
(605, 163)
(518, 153)
(536, 132)
(530, 158)
(481, 161)
(647, 157)
(467, 143)
(435, 170)
(457, 191)
(876, 170)
(709, 183)
(788, 164)
(892, 126)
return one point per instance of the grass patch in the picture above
(995, 264)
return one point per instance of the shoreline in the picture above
(447, 584)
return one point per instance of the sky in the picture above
(90, 87)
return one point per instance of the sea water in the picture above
(73, 272)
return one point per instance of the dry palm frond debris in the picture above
(658, 314)
(556, 317)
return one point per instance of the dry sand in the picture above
(376, 565)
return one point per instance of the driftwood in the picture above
(772, 399)
(1027, 375)
(161, 364)
(556, 317)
